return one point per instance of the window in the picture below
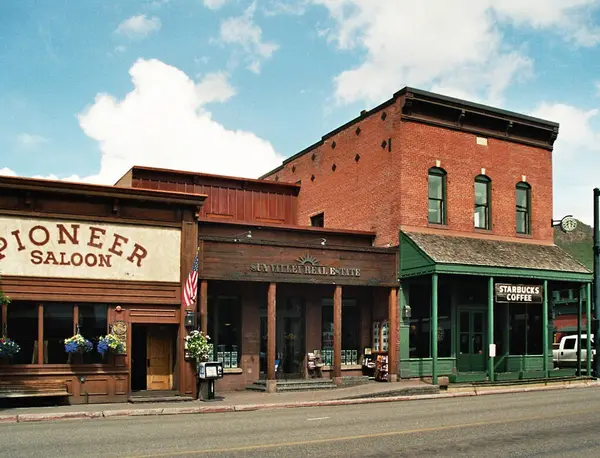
(437, 196)
(419, 322)
(58, 326)
(350, 331)
(481, 216)
(318, 220)
(225, 329)
(93, 324)
(525, 329)
(22, 327)
(523, 208)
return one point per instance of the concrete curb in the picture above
(36, 417)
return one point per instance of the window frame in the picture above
(526, 211)
(437, 172)
(485, 180)
(318, 218)
(40, 310)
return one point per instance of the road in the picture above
(551, 423)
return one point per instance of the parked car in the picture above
(564, 353)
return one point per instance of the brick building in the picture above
(465, 192)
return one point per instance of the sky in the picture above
(90, 88)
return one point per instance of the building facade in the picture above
(78, 258)
(465, 193)
(272, 292)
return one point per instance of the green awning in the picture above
(428, 253)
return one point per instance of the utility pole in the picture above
(596, 296)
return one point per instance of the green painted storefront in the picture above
(449, 314)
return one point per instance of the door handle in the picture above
(147, 363)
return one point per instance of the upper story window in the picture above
(523, 208)
(318, 220)
(481, 217)
(437, 196)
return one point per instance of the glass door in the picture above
(471, 351)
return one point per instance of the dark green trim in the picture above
(488, 271)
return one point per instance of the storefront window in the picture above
(58, 326)
(419, 323)
(444, 337)
(22, 327)
(350, 330)
(225, 329)
(93, 325)
(525, 336)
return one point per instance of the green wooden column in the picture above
(588, 327)
(434, 329)
(490, 339)
(545, 330)
(579, 312)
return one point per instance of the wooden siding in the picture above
(69, 290)
(226, 201)
(233, 261)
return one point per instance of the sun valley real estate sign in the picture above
(71, 249)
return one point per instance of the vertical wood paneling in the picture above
(40, 352)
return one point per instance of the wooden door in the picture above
(159, 354)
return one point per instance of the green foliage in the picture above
(578, 243)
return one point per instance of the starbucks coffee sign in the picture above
(532, 294)
(305, 265)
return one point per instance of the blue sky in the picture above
(89, 88)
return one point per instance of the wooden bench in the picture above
(32, 388)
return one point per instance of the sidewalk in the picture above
(244, 401)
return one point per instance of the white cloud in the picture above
(5, 171)
(120, 49)
(25, 140)
(162, 122)
(457, 46)
(286, 7)
(139, 27)
(214, 4)
(576, 158)
(242, 31)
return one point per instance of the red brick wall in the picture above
(386, 189)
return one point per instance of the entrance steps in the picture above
(295, 385)
(138, 397)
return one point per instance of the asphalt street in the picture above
(552, 423)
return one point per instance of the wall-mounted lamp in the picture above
(244, 235)
(190, 319)
(406, 311)
(323, 241)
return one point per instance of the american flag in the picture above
(191, 286)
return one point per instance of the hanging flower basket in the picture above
(110, 343)
(78, 344)
(196, 344)
(8, 347)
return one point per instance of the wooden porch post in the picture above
(203, 303)
(588, 326)
(271, 336)
(491, 359)
(434, 329)
(40, 349)
(545, 330)
(579, 310)
(393, 336)
(337, 334)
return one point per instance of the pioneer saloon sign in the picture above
(51, 248)
(519, 293)
(305, 265)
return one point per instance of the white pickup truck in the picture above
(564, 353)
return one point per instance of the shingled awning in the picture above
(423, 253)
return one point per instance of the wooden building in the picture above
(95, 258)
(78, 258)
(271, 291)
